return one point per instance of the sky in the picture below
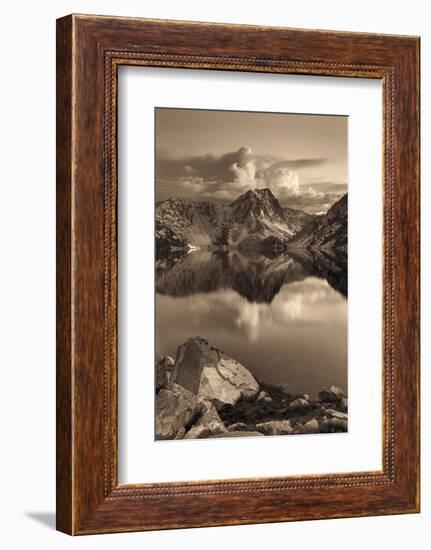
(218, 155)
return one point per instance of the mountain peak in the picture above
(265, 192)
(257, 204)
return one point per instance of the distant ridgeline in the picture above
(254, 221)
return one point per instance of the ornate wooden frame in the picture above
(89, 51)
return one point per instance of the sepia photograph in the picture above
(251, 251)
(237, 273)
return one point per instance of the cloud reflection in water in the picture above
(296, 337)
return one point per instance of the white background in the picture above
(27, 123)
(141, 458)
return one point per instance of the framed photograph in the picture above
(254, 263)
(237, 274)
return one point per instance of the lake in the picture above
(283, 318)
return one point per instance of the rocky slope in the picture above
(183, 223)
(256, 219)
(297, 219)
(327, 232)
(208, 394)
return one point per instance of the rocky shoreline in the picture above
(204, 393)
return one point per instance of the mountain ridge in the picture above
(255, 221)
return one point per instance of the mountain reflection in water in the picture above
(283, 318)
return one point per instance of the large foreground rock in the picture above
(176, 409)
(210, 374)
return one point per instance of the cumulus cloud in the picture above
(244, 168)
(282, 180)
(209, 167)
(227, 176)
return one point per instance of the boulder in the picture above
(298, 428)
(338, 424)
(299, 404)
(164, 368)
(208, 423)
(263, 396)
(275, 427)
(336, 414)
(209, 415)
(331, 394)
(343, 403)
(332, 425)
(211, 375)
(306, 396)
(311, 427)
(176, 408)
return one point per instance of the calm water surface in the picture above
(284, 319)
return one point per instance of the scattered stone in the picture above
(298, 428)
(332, 425)
(343, 403)
(332, 394)
(336, 414)
(311, 427)
(203, 386)
(299, 404)
(210, 374)
(238, 426)
(263, 396)
(176, 408)
(275, 427)
(324, 425)
(164, 368)
(338, 424)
